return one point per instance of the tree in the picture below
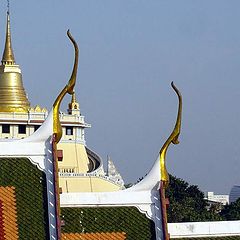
(231, 211)
(187, 203)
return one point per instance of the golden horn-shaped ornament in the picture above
(173, 138)
(57, 128)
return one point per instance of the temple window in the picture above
(69, 130)
(22, 129)
(5, 128)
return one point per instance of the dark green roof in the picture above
(28, 211)
(129, 220)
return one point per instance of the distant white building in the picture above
(234, 193)
(223, 199)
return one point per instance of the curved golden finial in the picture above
(8, 56)
(173, 138)
(57, 129)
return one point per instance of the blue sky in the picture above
(130, 52)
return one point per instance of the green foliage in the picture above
(187, 203)
(30, 186)
(231, 211)
(108, 219)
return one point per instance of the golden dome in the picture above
(13, 97)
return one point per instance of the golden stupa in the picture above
(13, 97)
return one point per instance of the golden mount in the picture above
(13, 97)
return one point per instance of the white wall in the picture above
(204, 229)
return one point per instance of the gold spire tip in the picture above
(8, 56)
(74, 100)
(8, 6)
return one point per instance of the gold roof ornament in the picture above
(57, 128)
(13, 97)
(73, 106)
(173, 138)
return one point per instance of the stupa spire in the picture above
(74, 100)
(73, 106)
(8, 56)
(13, 97)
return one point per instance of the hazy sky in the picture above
(130, 52)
